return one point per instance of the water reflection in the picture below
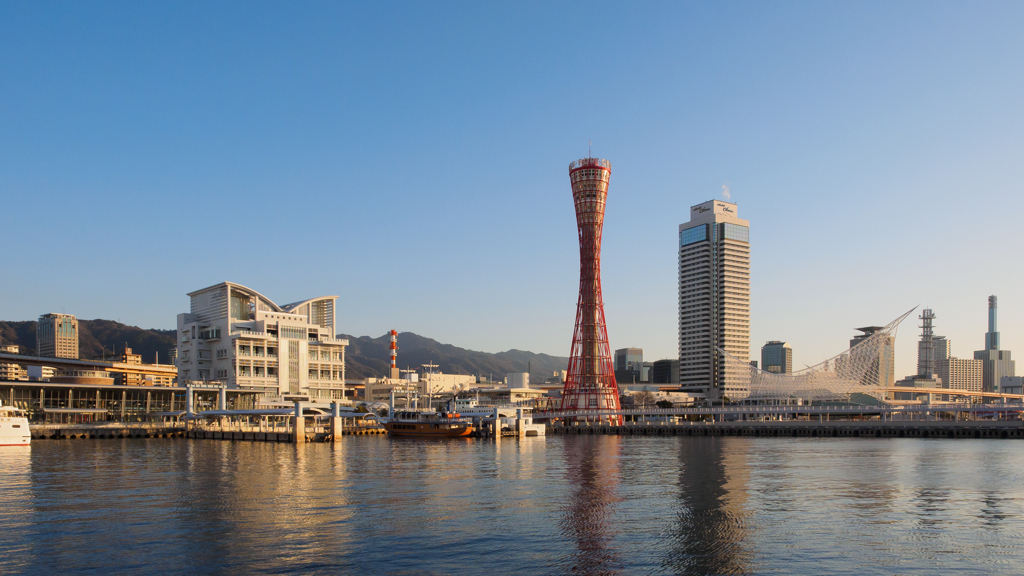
(592, 473)
(556, 505)
(15, 508)
(711, 534)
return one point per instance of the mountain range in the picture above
(364, 357)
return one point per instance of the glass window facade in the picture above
(695, 234)
(735, 232)
(293, 332)
(239, 306)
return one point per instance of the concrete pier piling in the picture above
(61, 432)
(298, 424)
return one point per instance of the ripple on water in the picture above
(556, 505)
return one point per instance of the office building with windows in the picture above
(629, 365)
(12, 371)
(938, 351)
(960, 373)
(1011, 385)
(714, 300)
(664, 371)
(57, 336)
(777, 357)
(237, 336)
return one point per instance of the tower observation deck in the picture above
(590, 382)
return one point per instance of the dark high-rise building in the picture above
(777, 357)
(629, 365)
(590, 379)
(664, 372)
(996, 363)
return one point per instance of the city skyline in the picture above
(118, 152)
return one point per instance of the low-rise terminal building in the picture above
(84, 396)
(433, 386)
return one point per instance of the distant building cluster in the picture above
(233, 339)
(57, 360)
(991, 371)
(714, 325)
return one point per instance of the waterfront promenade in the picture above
(279, 429)
(823, 422)
(811, 429)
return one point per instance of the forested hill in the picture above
(367, 356)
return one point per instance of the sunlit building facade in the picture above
(960, 373)
(714, 300)
(57, 336)
(235, 335)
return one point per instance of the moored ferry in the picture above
(13, 427)
(430, 424)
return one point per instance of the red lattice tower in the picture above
(590, 382)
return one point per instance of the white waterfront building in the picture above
(241, 338)
(432, 385)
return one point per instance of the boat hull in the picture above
(429, 429)
(14, 431)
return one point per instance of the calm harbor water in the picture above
(555, 505)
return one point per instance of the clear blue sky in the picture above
(412, 159)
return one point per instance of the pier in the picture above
(283, 429)
(810, 429)
(107, 431)
(948, 420)
(951, 420)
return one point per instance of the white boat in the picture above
(13, 427)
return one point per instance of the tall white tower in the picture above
(714, 299)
